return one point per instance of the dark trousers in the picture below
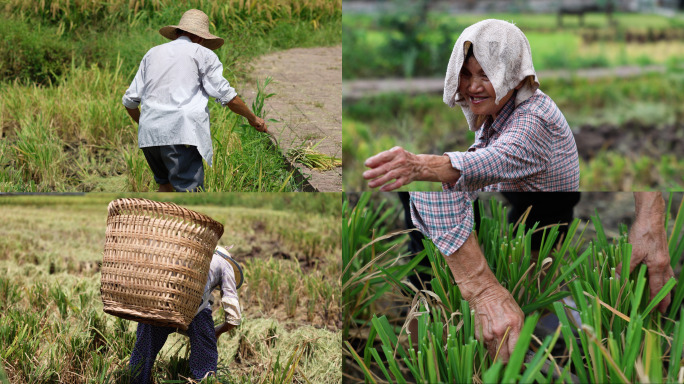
(178, 165)
(151, 339)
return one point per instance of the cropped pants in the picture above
(151, 339)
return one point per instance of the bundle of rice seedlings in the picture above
(313, 159)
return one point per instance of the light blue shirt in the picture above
(174, 83)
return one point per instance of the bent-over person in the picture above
(224, 273)
(174, 83)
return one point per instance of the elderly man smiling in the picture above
(522, 140)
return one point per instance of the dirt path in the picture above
(355, 89)
(307, 83)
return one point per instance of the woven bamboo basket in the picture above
(156, 261)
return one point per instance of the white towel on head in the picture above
(504, 54)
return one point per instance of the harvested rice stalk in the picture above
(313, 159)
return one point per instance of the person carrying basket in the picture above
(224, 272)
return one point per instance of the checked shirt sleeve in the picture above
(444, 217)
(523, 149)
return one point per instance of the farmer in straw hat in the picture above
(174, 82)
(522, 140)
(447, 219)
(224, 272)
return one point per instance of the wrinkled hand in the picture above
(495, 313)
(649, 246)
(395, 164)
(259, 124)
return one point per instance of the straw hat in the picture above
(197, 23)
(237, 270)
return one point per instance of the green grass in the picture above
(67, 94)
(53, 327)
(424, 124)
(621, 338)
(77, 137)
(401, 43)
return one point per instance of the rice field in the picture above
(407, 43)
(53, 329)
(609, 334)
(63, 126)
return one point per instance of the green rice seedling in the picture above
(139, 175)
(626, 339)
(61, 300)
(39, 151)
(3, 375)
(312, 295)
(367, 259)
(621, 336)
(244, 158)
(9, 294)
(261, 97)
(507, 248)
(447, 352)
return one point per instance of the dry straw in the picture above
(156, 260)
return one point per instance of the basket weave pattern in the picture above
(156, 261)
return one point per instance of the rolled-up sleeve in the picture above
(133, 95)
(522, 150)
(229, 297)
(213, 81)
(446, 218)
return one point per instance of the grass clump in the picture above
(612, 333)
(65, 65)
(53, 328)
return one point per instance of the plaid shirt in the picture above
(528, 148)
(444, 217)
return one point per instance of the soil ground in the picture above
(307, 84)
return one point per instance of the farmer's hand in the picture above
(223, 328)
(649, 243)
(259, 124)
(134, 114)
(405, 167)
(498, 318)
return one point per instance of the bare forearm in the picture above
(437, 168)
(134, 114)
(396, 167)
(470, 269)
(649, 206)
(238, 106)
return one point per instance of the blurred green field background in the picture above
(629, 131)
(53, 329)
(64, 66)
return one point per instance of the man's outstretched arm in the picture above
(238, 106)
